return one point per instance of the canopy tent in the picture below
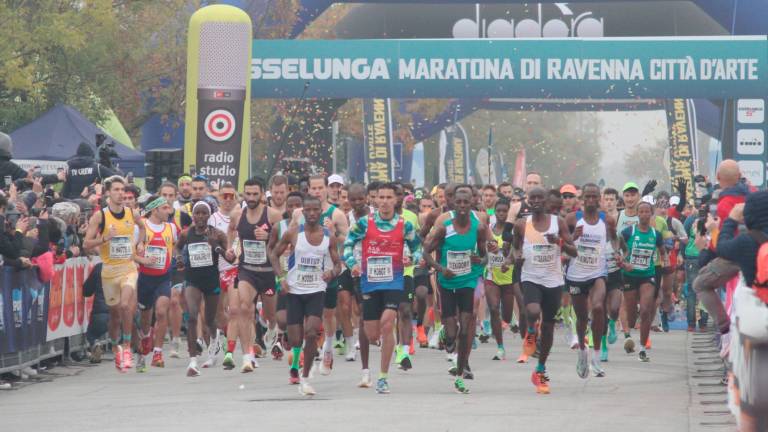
(55, 136)
(114, 128)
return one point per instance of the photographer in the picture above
(82, 172)
(16, 174)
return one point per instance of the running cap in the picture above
(649, 199)
(568, 188)
(335, 178)
(630, 185)
(675, 200)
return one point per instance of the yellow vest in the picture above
(119, 250)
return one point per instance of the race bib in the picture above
(309, 271)
(589, 256)
(641, 259)
(379, 269)
(157, 255)
(120, 248)
(200, 255)
(544, 255)
(495, 260)
(459, 262)
(254, 252)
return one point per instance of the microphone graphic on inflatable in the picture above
(217, 134)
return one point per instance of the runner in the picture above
(639, 274)
(256, 280)
(312, 247)
(383, 236)
(185, 192)
(615, 250)
(154, 283)
(609, 203)
(627, 217)
(500, 293)
(113, 231)
(406, 347)
(278, 188)
(335, 183)
(461, 239)
(227, 275)
(586, 277)
(201, 247)
(537, 243)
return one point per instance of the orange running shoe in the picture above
(421, 336)
(523, 358)
(157, 359)
(648, 343)
(127, 358)
(540, 380)
(529, 344)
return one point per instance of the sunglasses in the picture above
(227, 195)
(569, 196)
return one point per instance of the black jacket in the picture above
(82, 171)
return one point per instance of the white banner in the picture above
(68, 311)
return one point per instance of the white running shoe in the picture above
(249, 364)
(597, 368)
(351, 355)
(434, 339)
(192, 370)
(175, 348)
(582, 364)
(574, 342)
(365, 381)
(270, 337)
(327, 363)
(305, 389)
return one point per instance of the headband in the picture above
(201, 203)
(155, 204)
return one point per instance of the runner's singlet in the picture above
(254, 252)
(382, 259)
(456, 255)
(307, 263)
(541, 259)
(590, 261)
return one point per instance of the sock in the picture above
(406, 350)
(127, 338)
(296, 354)
(193, 361)
(531, 330)
(603, 340)
(383, 375)
(642, 348)
(611, 323)
(328, 344)
(158, 350)
(419, 322)
(114, 342)
(350, 342)
(366, 371)
(500, 346)
(541, 368)
(231, 346)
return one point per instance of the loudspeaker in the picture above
(162, 164)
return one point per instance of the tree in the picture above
(643, 163)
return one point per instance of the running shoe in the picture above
(365, 381)
(141, 364)
(351, 355)
(475, 342)
(157, 359)
(405, 363)
(421, 336)
(248, 364)
(574, 342)
(468, 375)
(603, 353)
(434, 339)
(725, 345)
(229, 362)
(118, 359)
(486, 327)
(200, 345)
(192, 370)
(327, 365)
(612, 335)
(127, 358)
(582, 364)
(270, 338)
(514, 328)
(277, 351)
(293, 376)
(529, 344)
(500, 354)
(305, 389)
(441, 337)
(175, 348)
(96, 353)
(597, 369)
(644, 357)
(382, 386)
(411, 348)
(540, 380)
(629, 345)
(665, 322)
(453, 370)
(523, 358)
(399, 354)
(459, 386)
(213, 353)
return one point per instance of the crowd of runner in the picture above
(322, 269)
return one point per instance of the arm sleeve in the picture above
(356, 234)
(413, 241)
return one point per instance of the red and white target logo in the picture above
(220, 125)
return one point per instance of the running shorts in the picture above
(461, 299)
(376, 302)
(301, 306)
(116, 278)
(632, 283)
(150, 288)
(578, 288)
(547, 298)
(262, 282)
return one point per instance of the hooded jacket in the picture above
(743, 248)
(82, 171)
(8, 168)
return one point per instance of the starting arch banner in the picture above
(599, 68)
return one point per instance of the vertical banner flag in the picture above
(682, 142)
(520, 170)
(751, 127)
(457, 154)
(417, 166)
(442, 176)
(377, 124)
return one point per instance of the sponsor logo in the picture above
(750, 141)
(750, 110)
(754, 171)
(559, 22)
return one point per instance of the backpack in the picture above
(760, 284)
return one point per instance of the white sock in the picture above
(366, 371)
(642, 348)
(328, 344)
(350, 342)
(158, 349)
(193, 361)
(406, 349)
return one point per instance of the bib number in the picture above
(641, 259)
(309, 271)
(379, 269)
(459, 262)
(157, 255)
(495, 260)
(544, 255)
(255, 252)
(200, 255)
(120, 248)
(588, 256)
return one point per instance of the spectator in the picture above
(70, 243)
(11, 235)
(82, 172)
(18, 175)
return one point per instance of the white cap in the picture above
(675, 200)
(649, 199)
(335, 178)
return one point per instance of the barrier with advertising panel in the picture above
(68, 310)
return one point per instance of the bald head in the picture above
(728, 173)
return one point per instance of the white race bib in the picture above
(309, 271)
(200, 255)
(495, 260)
(157, 255)
(254, 252)
(379, 269)
(459, 262)
(544, 255)
(641, 259)
(589, 256)
(120, 248)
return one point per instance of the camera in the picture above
(105, 150)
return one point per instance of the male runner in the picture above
(405, 312)
(627, 217)
(506, 190)
(185, 192)
(112, 230)
(615, 250)
(154, 283)
(335, 183)
(201, 247)
(643, 241)
(278, 188)
(537, 244)
(383, 235)
(586, 276)
(461, 239)
(609, 202)
(372, 190)
(312, 247)
(251, 226)
(489, 199)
